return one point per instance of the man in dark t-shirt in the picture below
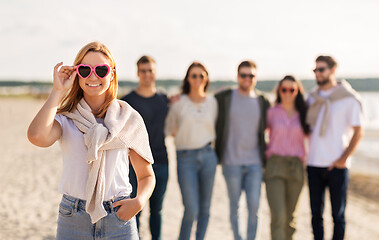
(153, 107)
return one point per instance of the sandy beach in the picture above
(30, 176)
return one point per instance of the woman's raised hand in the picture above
(63, 77)
(44, 130)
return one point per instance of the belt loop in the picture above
(76, 205)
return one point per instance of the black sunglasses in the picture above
(284, 89)
(197, 76)
(321, 69)
(243, 75)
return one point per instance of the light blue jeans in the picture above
(196, 172)
(75, 223)
(248, 178)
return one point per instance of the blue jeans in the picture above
(156, 199)
(248, 178)
(337, 180)
(75, 223)
(196, 172)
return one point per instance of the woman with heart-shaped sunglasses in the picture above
(99, 137)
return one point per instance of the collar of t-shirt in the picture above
(326, 93)
(252, 94)
(100, 120)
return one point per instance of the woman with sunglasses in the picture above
(284, 174)
(98, 135)
(191, 120)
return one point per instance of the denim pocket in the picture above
(118, 218)
(65, 211)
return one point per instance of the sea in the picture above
(365, 159)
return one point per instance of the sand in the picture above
(29, 178)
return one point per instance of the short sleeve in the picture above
(138, 138)
(355, 114)
(171, 120)
(214, 107)
(310, 100)
(269, 118)
(164, 97)
(58, 118)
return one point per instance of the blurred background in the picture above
(282, 37)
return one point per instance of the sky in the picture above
(282, 37)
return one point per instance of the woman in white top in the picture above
(191, 120)
(98, 135)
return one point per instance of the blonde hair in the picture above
(71, 100)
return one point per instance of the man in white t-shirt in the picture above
(335, 116)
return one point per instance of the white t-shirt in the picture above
(76, 169)
(343, 115)
(194, 123)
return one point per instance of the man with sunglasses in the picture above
(335, 117)
(152, 105)
(240, 144)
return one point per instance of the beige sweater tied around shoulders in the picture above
(343, 90)
(124, 128)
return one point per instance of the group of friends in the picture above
(252, 139)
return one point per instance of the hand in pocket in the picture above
(128, 208)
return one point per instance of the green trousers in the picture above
(284, 177)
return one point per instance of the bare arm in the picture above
(146, 183)
(172, 118)
(341, 162)
(145, 176)
(43, 131)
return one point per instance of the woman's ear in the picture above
(112, 74)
